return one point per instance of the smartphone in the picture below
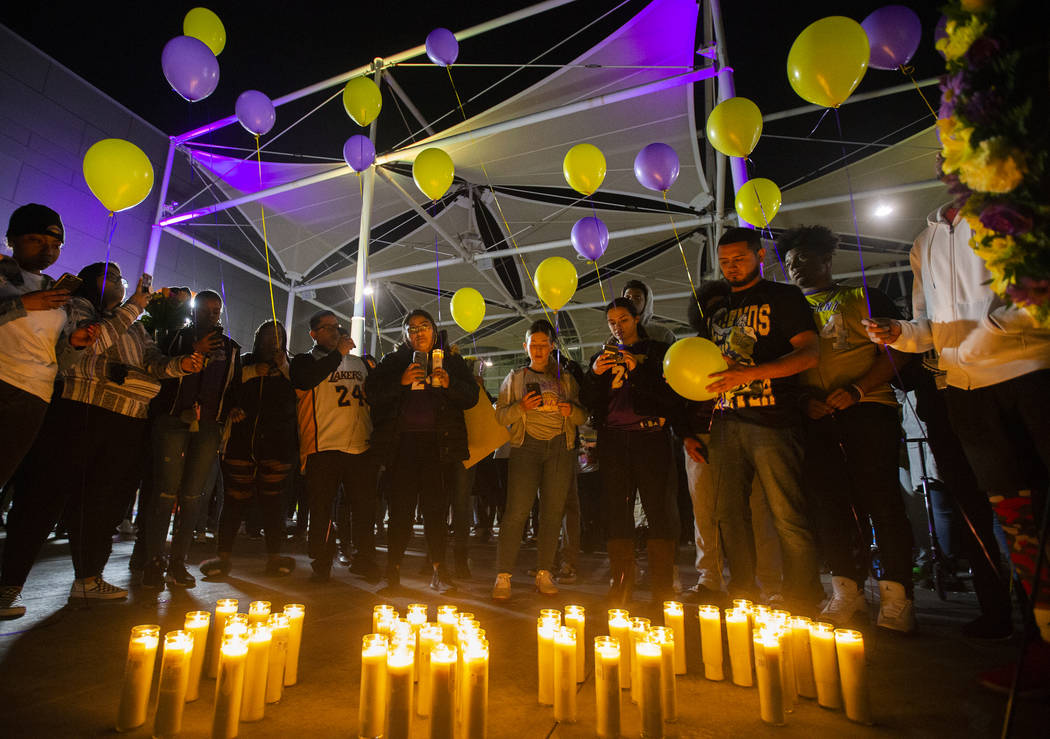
(420, 358)
(146, 282)
(611, 350)
(532, 387)
(68, 282)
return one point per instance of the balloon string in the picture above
(599, 274)
(681, 251)
(819, 121)
(856, 228)
(495, 199)
(375, 316)
(437, 259)
(111, 226)
(909, 71)
(266, 246)
(557, 343)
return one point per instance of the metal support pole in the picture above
(726, 90)
(368, 188)
(289, 309)
(155, 231)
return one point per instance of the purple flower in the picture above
(1006, 219)
(982, 107)
(951, 88)
(1029, 291)
(982, 50)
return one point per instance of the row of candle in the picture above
(255, 656)
(448, 659)
(644, 660)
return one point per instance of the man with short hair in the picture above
(852, 438)
(335, 428)
(642, 297)
(766, 331)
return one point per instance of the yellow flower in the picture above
(955, 143)
(992, 169)
(960, 37)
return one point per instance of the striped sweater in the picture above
(122, 345)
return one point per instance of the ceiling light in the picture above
(369, 289)
(883, 209)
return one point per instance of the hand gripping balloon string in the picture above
(909, 71)
(492, 191)
(681, 251)
(111, 226)
(266, 245)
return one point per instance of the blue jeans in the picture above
(546, 466)
(182, 462)
(740, 452)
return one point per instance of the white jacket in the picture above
(980, 340)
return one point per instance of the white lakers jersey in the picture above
(334, 414)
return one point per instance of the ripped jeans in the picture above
(181, 463)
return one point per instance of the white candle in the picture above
(760, 616)
(802, 657)
(372, 704)
(849, 646)
(174, 678)
(738, 634)
(430, 635)
(767, 668)
(787, 667)
(668, 681)
(229, 686)
(825, 664)
(253, 704)
(576, 618)
(476, 689)
(711, 641)
(545, 628)
(649, 657)
(674, 619)
(138, 677)
(280, 629)
(296, 613)
(442, 694)
(380, 615)
(639, 630)
(417, 616)
(224, 607)
(565, 674)
(258, 612)
(607, 685)
(197, 623)
(743, 604)
(620, 629)
(399, 660)
(553, 614)
(446, 616)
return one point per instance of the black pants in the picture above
(637, 460)
(245, 481)
(417, 475)
(23, 415)
(851, 461)
(325, 472)
(85, 458)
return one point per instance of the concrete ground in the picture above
(61, 665)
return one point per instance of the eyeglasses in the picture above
(329, 327)
(416, 330)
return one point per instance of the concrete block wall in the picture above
(49, 117)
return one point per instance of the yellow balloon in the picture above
(433, 171)
(203, 24)
(688, 365)
(555, 281)
(362, 100)
(584, 168)
(828, 60)
(118, 173)
(468, 309)
(757, 201)
(734, 127)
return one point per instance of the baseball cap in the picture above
(34, 218)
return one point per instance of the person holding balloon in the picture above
(631, 404)
(418, 394)
(767, 333)
(540, 404)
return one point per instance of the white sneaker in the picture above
(846, 601)
(127, 528)
(501, 590)
(896, 609)
(97, 589)
(11, 605)
(545, 583)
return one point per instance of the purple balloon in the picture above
(190, 67)
(255, 112)
(590, 237)
(359, 152)
(442, 47)
(894, 33)
(656, 167)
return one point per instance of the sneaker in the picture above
(544, 584)
(440, 581)
(501, 590)
(11, 605)
(846, 602)
(153, 573)
(280, 566)
(896, 609)
(127, 528)
(1034, 680)
(566, 575)
(97, 589)
(178, 574)
(217, 567)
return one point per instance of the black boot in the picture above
(153, 572)
(621, 566)
(440, 580)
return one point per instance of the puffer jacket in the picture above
(980, 340)
(510, 413)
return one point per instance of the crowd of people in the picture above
(793, 466)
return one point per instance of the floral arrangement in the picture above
(994, 126)
(167, 310)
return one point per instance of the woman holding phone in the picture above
(540, 404)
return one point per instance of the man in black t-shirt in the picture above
(766, 331)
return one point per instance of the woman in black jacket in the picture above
(417, 395)
(260, 451)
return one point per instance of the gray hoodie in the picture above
(652, 329)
